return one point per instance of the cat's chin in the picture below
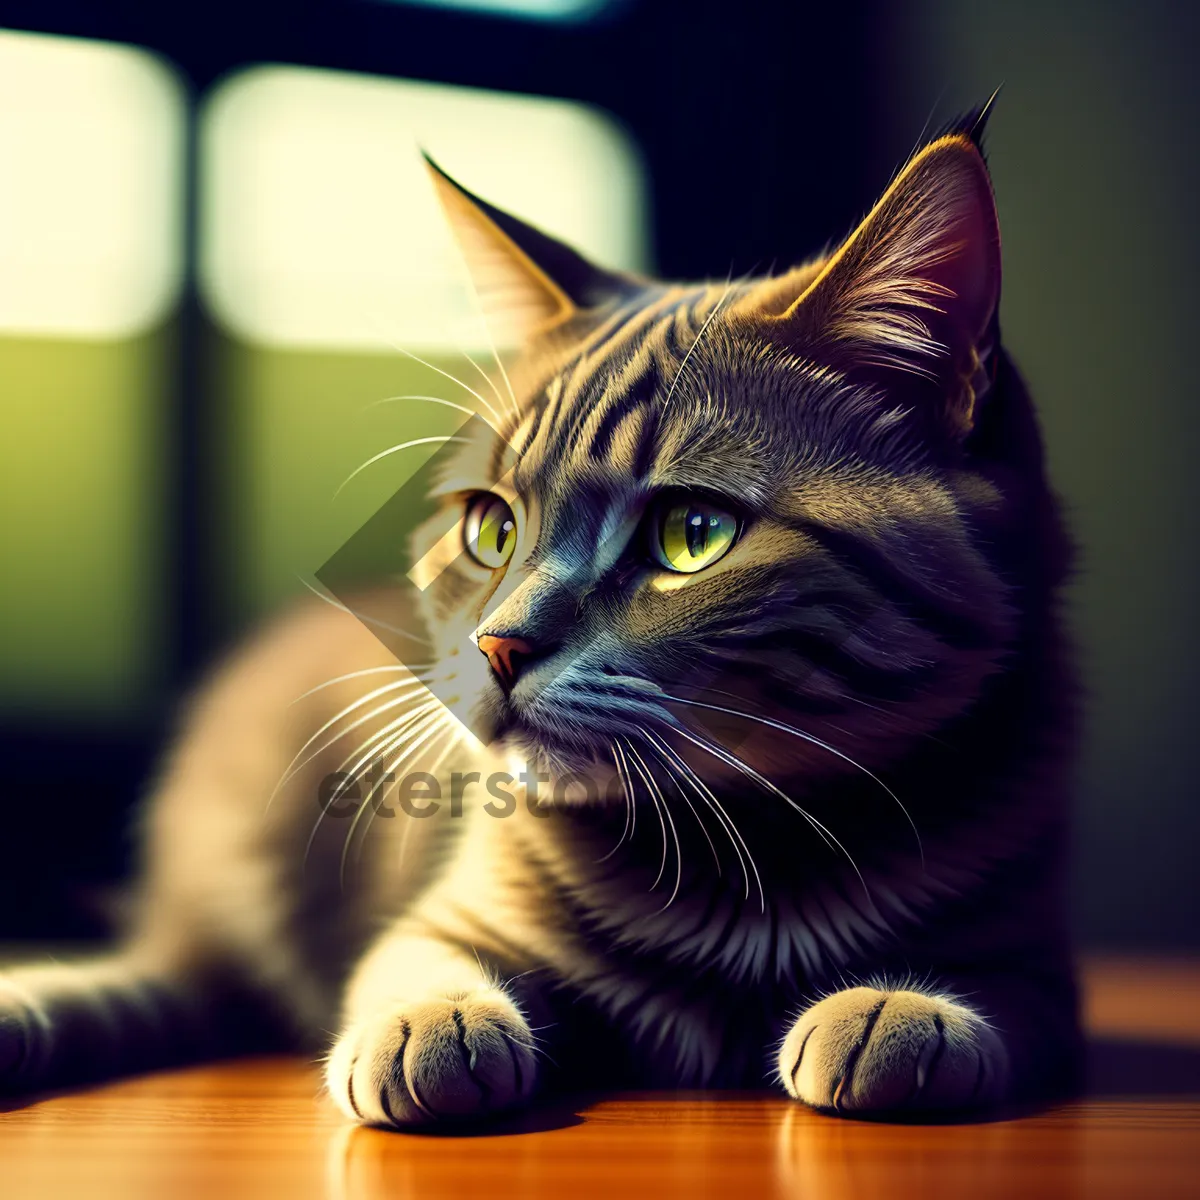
(554, 758)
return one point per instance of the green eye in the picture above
(490, 534)
(692, 534)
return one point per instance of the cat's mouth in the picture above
(572, 723)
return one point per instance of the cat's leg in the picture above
(964, 1043)
(63, 1024)
(429, 1035)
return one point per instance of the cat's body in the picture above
(879, 933)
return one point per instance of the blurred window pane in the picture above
(323, 250)
(538, 10)
(91, 138)
(82, 533)
(320, 226)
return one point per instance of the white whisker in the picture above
(697, 339)
(732, 760)
(451, 744)
(370, 747)
(427, 728)
(627, 794)
(516, 408)
(412, 670)
(333, 602)
(724, 819)
(487, 332)
(466, 387)
(392, 733)
(401, 685)
(816, 741)
(627, 781)
(664, 812)
(488, 379)
(441, 438)
(462, 408)
(678, 778)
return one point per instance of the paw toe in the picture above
(441, 1059)
(865, 1050)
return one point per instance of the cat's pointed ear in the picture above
(914, 289)
(526, 281)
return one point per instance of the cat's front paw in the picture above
(863, 1050)
(443, 1058)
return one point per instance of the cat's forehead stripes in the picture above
(670, 391)
(606, 412)
(598, 348)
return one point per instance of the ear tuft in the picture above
(973, 123)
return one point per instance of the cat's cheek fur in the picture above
(445, 1058)
(864, 1050)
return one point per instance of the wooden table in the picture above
(257, 1129)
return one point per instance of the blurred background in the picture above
(215, 239)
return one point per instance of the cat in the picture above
(768, 571)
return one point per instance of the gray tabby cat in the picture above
(769, 570)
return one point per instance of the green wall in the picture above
(81, 525)
(1092, 148)
(296, 424)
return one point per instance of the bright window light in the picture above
(320, 227)
(91, 140)
(538, 10)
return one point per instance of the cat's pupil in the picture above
(697, 532)
(502, 534)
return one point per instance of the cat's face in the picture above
(736, 522)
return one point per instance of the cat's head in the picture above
(769, 497)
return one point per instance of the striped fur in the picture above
(835, 760)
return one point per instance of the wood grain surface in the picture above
(261, 1128)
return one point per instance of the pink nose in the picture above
(506, 655)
